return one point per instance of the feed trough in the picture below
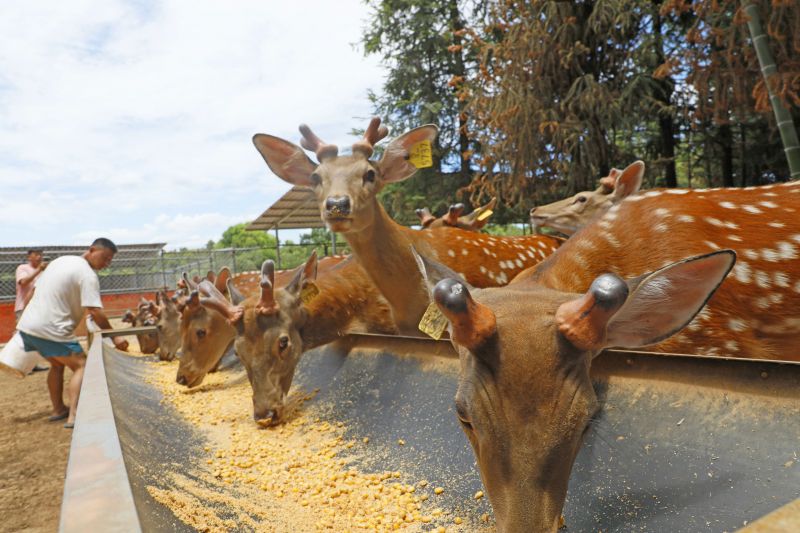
(680, 444)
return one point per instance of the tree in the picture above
(237, 236)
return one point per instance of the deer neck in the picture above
(384, 250)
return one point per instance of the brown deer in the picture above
(473, 221)
(347, 187)
(205, 334)
(570, 214)
(148, 342)
(524, 394)
(276, 327)
(168, 326)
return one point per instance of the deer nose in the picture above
(266, 418)
(181, 380)
(338, 205)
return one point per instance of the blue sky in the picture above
(133, 119)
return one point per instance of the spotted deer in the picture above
(524, 394)
(205, 334)
(570, 214)
(346, 188)
(473, 221)
(275, 328)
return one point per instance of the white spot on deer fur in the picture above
(694, 325)
(661, 227)
(491, 242)
(502, 278)
(464, 251)
(787, 250)
(776, 297)
(797, 287)
(795, 238)
(703, 315)
(737, 325)
(727, 205)
(605, 224)
(750, 254)
(485, 251)
(610, 238)
(677, 191)
(776, 224)
(451, 253)
(769, 255)
(530, 254)
(685, 218)
(735, 238)
(519, 263)
(780, 279)
(762, 303)
(662, 212)
(752, 209)
(522, 256)
(711, 245)
(652, 194)
(614, 208)
(770, 205)
(741, 271)
(721, 224)
(541, 244)
(483, 269)
(634, 198)
(763, 280)
(770, 194)
(732, 346)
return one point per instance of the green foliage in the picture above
(237, 236)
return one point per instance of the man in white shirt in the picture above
(63, 291)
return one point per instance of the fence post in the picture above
(277, 248)
(233, 259)
(211, 260)
(161, 263)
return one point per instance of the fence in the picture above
(147, 267)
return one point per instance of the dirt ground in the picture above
(33, 455)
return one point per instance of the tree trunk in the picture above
(726, 143)
(743, 155)
(664, 95)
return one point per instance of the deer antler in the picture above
(454, 211)
(311, 142)
(609, 182)
(425, 216)
(375, 132)
(266, 304)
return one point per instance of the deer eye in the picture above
(201, 333)
(580, 199)
(369, 176)
(316, 179)
(283, 342)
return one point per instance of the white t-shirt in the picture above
(62, 291)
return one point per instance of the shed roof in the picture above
(297, 209)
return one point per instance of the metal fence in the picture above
(148, 266)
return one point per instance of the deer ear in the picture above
(288, 161)
(471, 323)
(433, 272)
(629, 180)
(234, 294)
(664, 302)
(395, 164)
(304, 275)
(221, 281)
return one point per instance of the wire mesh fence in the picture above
(146, 267)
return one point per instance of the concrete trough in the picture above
(681, 443)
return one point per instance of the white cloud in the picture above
(118, 113)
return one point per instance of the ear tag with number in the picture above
(309, 292)
(486, 214)
(433, 322)
(420, 154)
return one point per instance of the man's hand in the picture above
(120, 343)
(43, 265)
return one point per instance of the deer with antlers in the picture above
(347, 187)
(473, 221)
(276, 327)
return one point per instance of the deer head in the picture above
(268, 341)
(524, 395)
(569, 215)
(168, 328)
(205, 336)
(345, 186)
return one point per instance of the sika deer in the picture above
(206, 335)
(474, 221)
(524, 393)
(347, 187)
(569, 215)
(275, 328)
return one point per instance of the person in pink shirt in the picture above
(26, 279)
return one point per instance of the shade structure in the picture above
(297, 209)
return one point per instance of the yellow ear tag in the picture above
(486, 214)
(309, 292)
(433, 322)
(420, 155)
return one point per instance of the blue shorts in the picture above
(50, 348)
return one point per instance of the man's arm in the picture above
(101, 320)
(24, 281)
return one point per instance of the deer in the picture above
(570, 214)
(168, 326)
(148, 342)
(473, 221)
(655, 272)
(275, 328)
(346, 189)
(205, 334)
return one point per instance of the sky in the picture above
(133, 119)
